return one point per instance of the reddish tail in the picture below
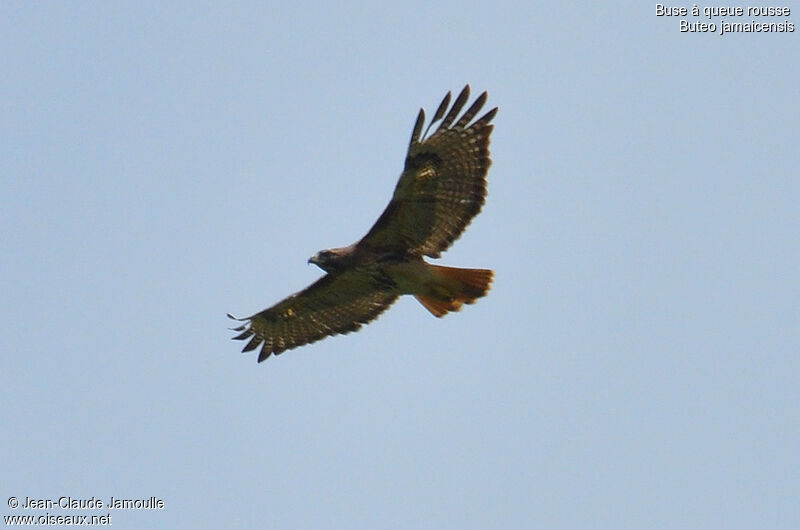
(454, 287)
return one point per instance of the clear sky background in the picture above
(634, 366)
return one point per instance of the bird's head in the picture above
(321, 259)
(333, 259)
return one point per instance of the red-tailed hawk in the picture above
(442, 187)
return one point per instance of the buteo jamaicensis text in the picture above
(442, 187)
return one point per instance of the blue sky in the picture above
(634, 366)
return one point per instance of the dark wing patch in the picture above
(443, 185)
(336, 303)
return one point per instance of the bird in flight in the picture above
(442, 187)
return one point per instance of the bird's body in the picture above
(442, 188)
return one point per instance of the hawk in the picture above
(442, 187)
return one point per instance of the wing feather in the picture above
(455, 109)
(417, 128)
(337, 303)
(443, 185)
(439, 112)
(472, 111)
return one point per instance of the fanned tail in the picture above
(455, 287)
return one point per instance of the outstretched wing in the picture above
(336, 303)
(443, 185)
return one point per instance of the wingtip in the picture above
(417, 130)
(489, 116)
